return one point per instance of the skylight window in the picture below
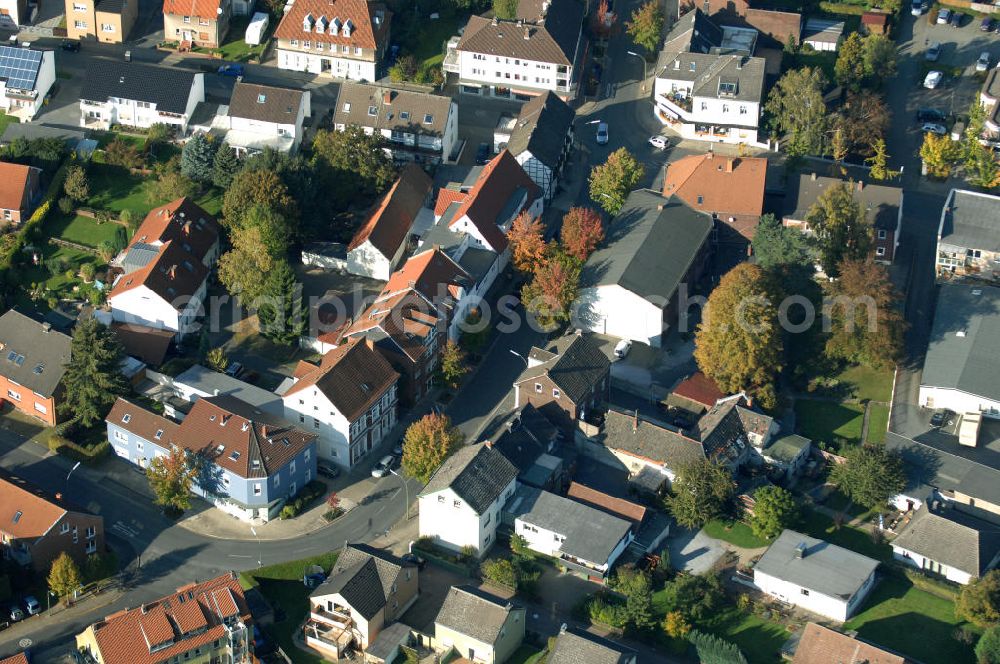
(428, 118)
(235, 455)
(347, 107)
(159, 434)
(17, 516)
(126, 418)
(261, 98)
(404, 115)
(372, 111)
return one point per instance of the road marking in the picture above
(237, 555)
(121, 528)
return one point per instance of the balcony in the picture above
(337, 618)
(326, 637)
(673, 107)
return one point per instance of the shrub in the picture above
(469, 552)
(89, 454)
(303, 499)
(606, 610)
(500, 571)
(334, 514)
(65, 204)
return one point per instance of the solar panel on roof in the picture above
(19, 67)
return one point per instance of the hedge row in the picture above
(303, 499)
(68, 448)
(841, 8)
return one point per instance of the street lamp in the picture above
(406, 488)
(75, 466)
(254, 531)
(643, 87)
(523, 358)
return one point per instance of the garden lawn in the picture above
(868, 384)
(236, 49)
(6, 120)
(56, 285)
(82, 230)
(425, 39)
(878, 423)
(114, 188)
(821, 526)
(736, 533)
(282, 585)
(759, 639)
(826, 421)
(913, 622)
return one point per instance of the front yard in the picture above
(235, 48)
(736, 533)
(829, 422)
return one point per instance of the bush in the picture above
(302, 500)
(842, 8)
(501, 572)
(607, 610)
(89, 454)
(65, 204)
(334, 514)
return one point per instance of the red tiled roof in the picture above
(25, 511)
(431, 273)
(126, 637)
(360, 13)
(700, 389)
(609, 504)
(389, 224)
(406, 318)
(821, 645)
(201, 8)
(725, 185)
(874, 18)
(145, 343)
(498, 182)
(13, 181)
(183, 220)
(19, 658)
(446, 197)
(352, 376)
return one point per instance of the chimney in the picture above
(187, 227)
(58, 496)
(710, 154)
(527, 32)
(800, 550)
(172, 272)
(263, 430)
(46, 327)
(659, 206)
(489, 444)
(739, 62)
(496, 21)
(370, 343)
(861, 185)
(813, 177)
(750, 402)
(387, 97)
(730, 163)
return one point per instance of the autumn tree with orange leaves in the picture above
(527, 243)
(551, 293)
(582, 230)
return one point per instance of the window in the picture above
(14, 395)
(555, 393)
(77, 7)
(404, 115)
(307, 454)
(120, 435)
(187, 19)
(295, 42)
(704, 106)
(40, 408)
(277, 481)
(456, 503)
(487, 541)
(64, 529)
(158, 434)
(880, 251)
(345, 48)
(440, 499)
(302, 419)
(347, 109)
(487, 521)
(203, 21)
(805, 592)
(138, 445)
(225, 481)
(357, 50)
(372, 111)
(91, 532)
(291, 466)
(315, 423)
(428, 118)
(306, 43)
(882, 234)
(538, 388)
(256, 488)
(743, 110)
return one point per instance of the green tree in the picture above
(798, 111)
(638, 590)
(862, 120)
(879, 162)
(453, 364)
(841, 230)
(871, 475)
(87, 272)
(865, 316)
(404, 69)
(171, 477)
(225, 166)
(93, 378)
(506, 9)
(738, 344)
(275, 229)
(646, 25)
(198, 157)
(427, 443)
(64, 576)
(611, 182)
(170, 183)
(241, 267)
(500, 571)
(774, 510)
(698, 598)
(879, 55)
(981, 167)
(355, 154)
(550, 295)
(676, 625)
(519, 546)
(75, 185)
(280, 311)
(158, 133)
(979, 602)
(255, 187)
(217, 359)
(120, 152)
(849, 70)
(988, 647)
(701, 491)
(713, 650)
(939, 154)
(775, 244)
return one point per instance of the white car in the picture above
(622, 348)
(933, 52)
(934, 128)
(659, 142)
(933, 79)
(983, 63)
(381, 469)
(602, 133)
(944, 16)
(917, 8)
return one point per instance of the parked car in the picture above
(414, 559)
(622, 348)
(933, 52)
(327, 469)
(942, 418)
(602, 133)
(660, 142)
(231, 70)
(397, 449)
(987, 25)
(983, 63)
(934, 128)
(933, 79)
(956, 19)
(32, 605)
(483, 154)
(15, 613)
(381, 469)
(931, 115)
(918, 7)
(234, 370)
(944, 16)
(70, 45)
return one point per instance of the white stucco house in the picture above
(264, 116)
(349, 400)
(139, 95)
(28, 76)
(462, 503)
(945, 541)
(815, 575)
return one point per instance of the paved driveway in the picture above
(694, 551)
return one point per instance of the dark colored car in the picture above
(931, 115)
(987, 25)
(414, 559)
(941, 418)
(483, 154)
(327, 470)
(70, 45)
(231, 70)
(956, 19)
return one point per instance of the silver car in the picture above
(983, 63)
(381, 469)
(602, 133)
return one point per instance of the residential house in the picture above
(968, 237)
(531, 442)
(349, 401)
(788, 453)
(200, 622)
(408, 332)
(367, 590)
(418, 126)
(14, 13)
(823, 34)
(20, 191)
(201, 23)
(566, 381)
(377, 248)
(20, 658)
(635, 286)
(146, 344)
(37, 527)
(28, 75)
(481, 627)
(988, 98)
(263, 116)
(441, 281)
(963, 358)
(882, 205)
(198, 382)
(775, 28)
(165, 268)
(815, 575)
(695, 394)
(822, 645)
(343, 38)
(462, 503)
(573, 646)
(948, 543)
(252, 462)
(541, 48)
(107, 21)
(587, 541)
(708, 86)
(634, 513)
(33, 359)
(540, 138)
(139, 95)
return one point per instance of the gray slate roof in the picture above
(825, 568)
(649, 247)
(975, 471)
(970, 363)
(474, 613)
(265, 103)
(971, 220)
(541, 129)
(406, 110)
(881, 202)
(203, 379)
(32, 354)
(167, 87)
(951, 538)
(640, 437)
(478, 474)
(706, 71)
(694, 32)
(786, 448)
(573, 647)
(363, 576)
(589, 533)
(575, 363)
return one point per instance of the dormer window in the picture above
(335, 26)
(428, 118)
(321, 24)
(348, 28)
(308, 22)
